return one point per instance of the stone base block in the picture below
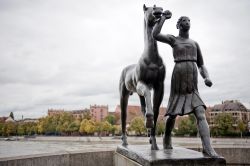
(142, 155)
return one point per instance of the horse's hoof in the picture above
(167, 147)
(124, 140)
(154, 147)
(124, 144)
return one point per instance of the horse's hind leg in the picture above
(124, 95)
(157, 99)
(143, 90)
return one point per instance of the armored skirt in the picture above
(184, 95)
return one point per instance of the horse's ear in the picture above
(144, 7)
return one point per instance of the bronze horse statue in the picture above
(147, 74)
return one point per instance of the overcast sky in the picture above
(69, 54)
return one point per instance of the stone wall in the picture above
(233, 156)
(103, 158)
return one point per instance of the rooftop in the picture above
(230, 105)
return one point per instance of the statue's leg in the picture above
(143, 104)
(167, 140)
(143, 110)
(124, 95)
(157, 99)
(143, 90)
(204, 131)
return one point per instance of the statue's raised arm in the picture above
(169, 39)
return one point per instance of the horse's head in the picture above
(152, 14)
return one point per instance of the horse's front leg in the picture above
(158, 96)
(143, 90)
(124, 95)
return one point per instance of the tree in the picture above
(224, 124)
(12, 115)
(241, 126)
(160, 127)
(137, 125)
(30, 128)
(111, 119)
(48, 125)
(90, 127)
(21, 129)
(63, 122)
(1, 128)
(82, 126)
(106, 126)
(118, 130)
(87, 115)
(187, 126)
(9, 129)
(74, 126)
(87, 126)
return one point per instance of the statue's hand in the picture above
(167, 14)
(208, 82)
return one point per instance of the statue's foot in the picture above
(167, 142)
(210, 152)
(124, 140)
(153, 143)
(149, 122)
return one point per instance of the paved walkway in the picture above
(44, 145)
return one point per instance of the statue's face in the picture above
(151, 14)
(185, 23)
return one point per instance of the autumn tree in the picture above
(111, 119)
(106, 126)
(74, 126)
(30, 128)
(223, 124)
(87, 126)
(1, 128)
(137, 125)
(90, 127)
(9, 129)
(87, 115)
(21, 129)
(160, 127)
(187, 126)
(241, 126)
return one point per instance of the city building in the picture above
(99, 112)
(10, 119)
(3, 119)
(78, 114)
(233, 107)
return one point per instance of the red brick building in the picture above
(3, 119)
(99, 112)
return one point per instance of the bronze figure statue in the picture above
(147, 74)
(184, 96)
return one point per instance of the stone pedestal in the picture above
(142, 155)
